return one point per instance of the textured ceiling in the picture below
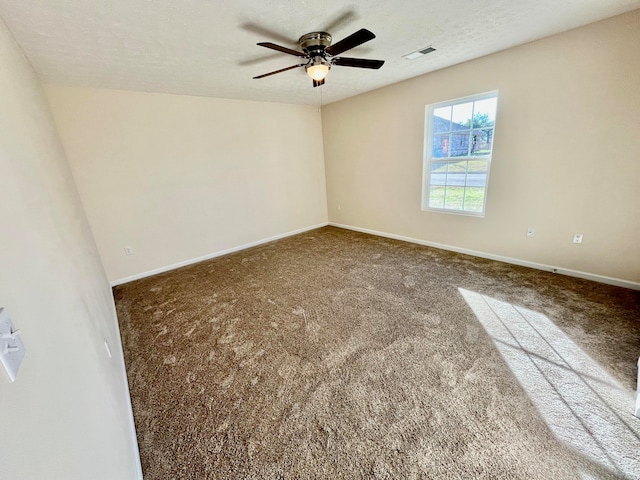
(208, 47)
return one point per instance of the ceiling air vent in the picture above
(419, 53)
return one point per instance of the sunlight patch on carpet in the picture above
(582, 404)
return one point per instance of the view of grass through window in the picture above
(460, 135)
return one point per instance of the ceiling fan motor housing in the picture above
(315, 43)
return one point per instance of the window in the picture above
(458, 143)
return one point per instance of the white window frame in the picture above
(428, 152)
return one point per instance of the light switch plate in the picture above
(11, 346)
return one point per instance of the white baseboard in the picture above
(155, 271)
(515, 261)
(524, 263)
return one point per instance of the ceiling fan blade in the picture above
(352, 41)
(273, 46)
(317, 83)
(278, 71)
(357, 62)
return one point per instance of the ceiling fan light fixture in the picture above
(318, 70)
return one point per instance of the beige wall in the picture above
(67, 416)
(179, 177)
(566, 154)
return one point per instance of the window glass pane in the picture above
(477, 173)
(473, 199)
(478, 167)
(459, 146)
(481, 141)
(442, 120)
(438, 173)
(458, 167)
(454, 197)
(484, 113)
(461, 117)
(436, 197)
(440, 146)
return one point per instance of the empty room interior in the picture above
(295, 240)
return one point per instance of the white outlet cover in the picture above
(11, 360)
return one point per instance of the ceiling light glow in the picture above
(318, 71)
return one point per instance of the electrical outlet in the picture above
(128, 251)
(577, 238)
(530, 232)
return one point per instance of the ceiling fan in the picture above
(321, 55)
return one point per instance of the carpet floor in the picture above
(339, 355)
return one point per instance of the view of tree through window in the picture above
(460, 140)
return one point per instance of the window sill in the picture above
(453, 212)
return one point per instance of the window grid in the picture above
(466, 194)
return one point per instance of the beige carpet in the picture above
(339, 355)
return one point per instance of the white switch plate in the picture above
(11, 347)
(530, 232)
(577, 238)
